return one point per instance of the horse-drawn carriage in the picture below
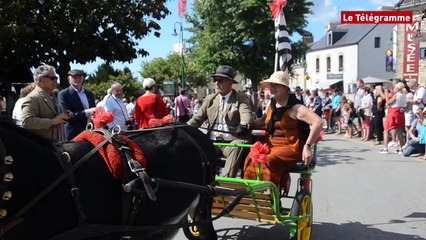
(79, 198)
(263, 201)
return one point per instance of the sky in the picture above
(324, 11)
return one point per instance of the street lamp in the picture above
(182, 50)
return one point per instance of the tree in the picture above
(170, 69)
(102, 73)
(106, 75)
(241, 34)
(58, 32)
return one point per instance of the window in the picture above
(329, 39)
(377, 42)
(317, 65)
(328, 64)
(340, 62)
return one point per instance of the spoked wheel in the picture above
(190, 226)
(302, 205)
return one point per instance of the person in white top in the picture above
(366, 106)
(115, 105)
(102, 102)
(130, 107)
(419, 97)
(17, 109)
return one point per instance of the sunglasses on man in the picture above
(53, 78)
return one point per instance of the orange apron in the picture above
(285, 150)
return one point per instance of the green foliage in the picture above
(102, 73)
(106, 75)
(240, 33)
(170, 69)
(59, 32)
(99, 89)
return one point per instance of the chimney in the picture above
(332, 25)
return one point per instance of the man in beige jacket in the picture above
(40, 110)
(228, 112)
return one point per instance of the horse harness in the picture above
(7, 160)
(69, 168)
(132, 194)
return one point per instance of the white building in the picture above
(347, 53)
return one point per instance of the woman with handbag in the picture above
(150, 105)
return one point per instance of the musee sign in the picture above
(411, 53)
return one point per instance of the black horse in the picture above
(177, 153)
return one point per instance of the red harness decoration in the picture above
(110, 154)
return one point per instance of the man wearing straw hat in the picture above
(228, 116)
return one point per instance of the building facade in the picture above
(349, 52)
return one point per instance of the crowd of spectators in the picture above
(390, 117)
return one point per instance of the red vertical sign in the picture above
(181, 8)
(411, 53)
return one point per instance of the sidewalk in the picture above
(371, 145)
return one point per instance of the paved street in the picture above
(358, 194)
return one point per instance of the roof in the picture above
(354, 34)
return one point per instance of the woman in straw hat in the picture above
(291, 128)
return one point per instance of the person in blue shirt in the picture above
(414, 145)
(336, 110)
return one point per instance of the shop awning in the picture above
(370, 79)
(327, 83)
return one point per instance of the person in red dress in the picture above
(150, 105)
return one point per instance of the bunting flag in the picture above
(181, 8)
(283, 55)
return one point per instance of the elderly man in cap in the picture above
(77, 100)
(228, 116)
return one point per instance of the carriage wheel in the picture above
(302, 205)
(191, 231)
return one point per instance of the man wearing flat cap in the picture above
(228, 115)
(79, 101)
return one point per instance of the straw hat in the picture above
(278, 77)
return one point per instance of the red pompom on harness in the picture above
(110, 154)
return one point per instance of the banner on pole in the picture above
(181, 8)
(283, 55)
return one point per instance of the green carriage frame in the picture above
(260, 201)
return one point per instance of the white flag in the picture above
(283, 56)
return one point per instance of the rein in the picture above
(215, 130)
(6, 226)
